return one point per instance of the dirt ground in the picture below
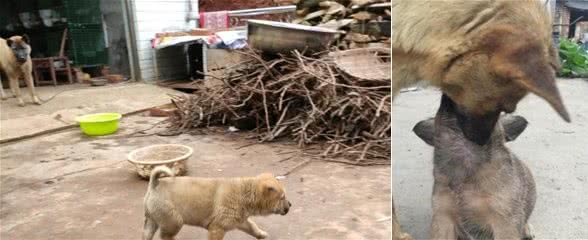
(72, 100)
(555, 151)
(68, 186)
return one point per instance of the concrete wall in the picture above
(551, 5)
(154, 16)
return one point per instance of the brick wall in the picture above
(221, 5)
(227, 5)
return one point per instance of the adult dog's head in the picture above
(502, 65)
(271, 196)
(20, 47)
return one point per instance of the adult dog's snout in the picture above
(21, 59)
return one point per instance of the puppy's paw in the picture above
(37, 101)
(405, 236)
(21, 103)
(528, 232)
(262, 234)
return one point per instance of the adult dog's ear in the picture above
(9, 42)
(425, 130)
(25, 38)
(526, 60)
(513, 126)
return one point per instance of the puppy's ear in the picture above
(9, 42)
(513, 126)
(425, 130)
(527, 61)
(25, 38)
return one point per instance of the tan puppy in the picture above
(480, 191)
(15, 62)
(219, 205)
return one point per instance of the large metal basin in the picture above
(279, 37)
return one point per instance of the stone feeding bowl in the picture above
(174, 156)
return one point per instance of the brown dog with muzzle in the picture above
(15, 62)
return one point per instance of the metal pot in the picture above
(279, 37)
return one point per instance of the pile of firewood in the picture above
(364, 23)
(308, 99)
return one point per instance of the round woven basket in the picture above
(174, 156)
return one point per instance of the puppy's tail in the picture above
(156, 174)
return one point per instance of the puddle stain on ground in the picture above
(54, 160)
(122, 141)
(101, 146)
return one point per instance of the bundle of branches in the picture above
(308, 99)
(365, 23)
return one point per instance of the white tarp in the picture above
(172, 41)
(233, 39)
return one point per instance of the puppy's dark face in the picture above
(272, 196)
(475, 128)
(448, 118)
(20, 47)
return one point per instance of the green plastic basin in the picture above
(99, 124)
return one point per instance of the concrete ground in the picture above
(69, 186)
(555, 151)
(73, 100)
